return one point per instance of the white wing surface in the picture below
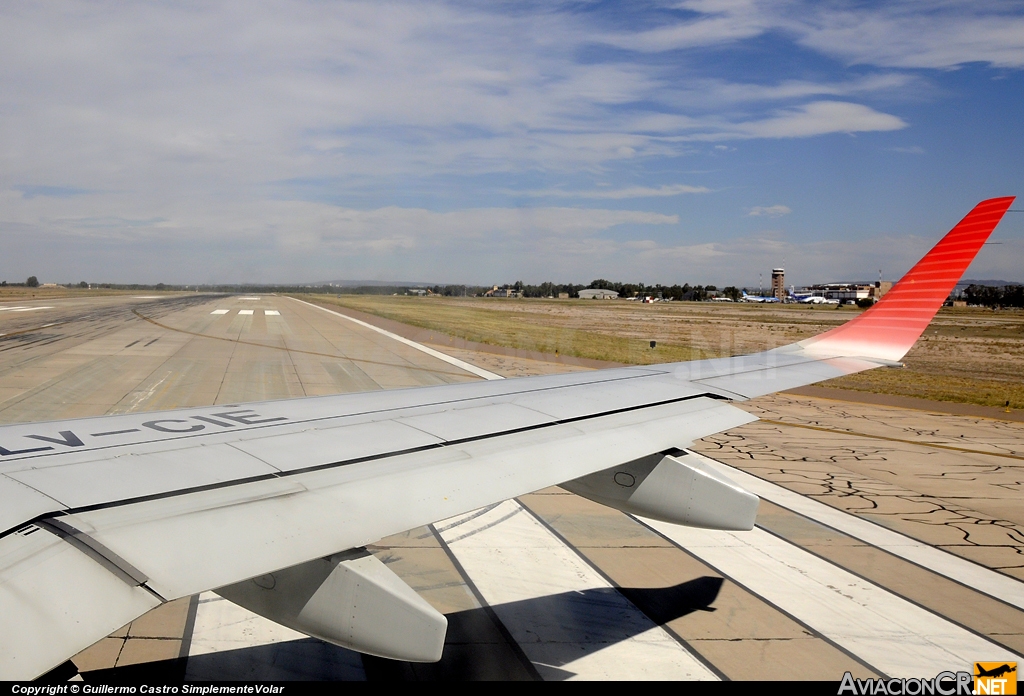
(104, 518)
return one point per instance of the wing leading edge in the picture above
(104, 518)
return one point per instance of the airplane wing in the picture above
(104, 518)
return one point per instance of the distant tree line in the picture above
(450, 290)
(686, 291)
(664, 292)
(994, 296)
(32, 282)
(624, 290)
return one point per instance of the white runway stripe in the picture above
(479, 371)
(221, 625)
(562, 613)
(887, 632)
(220, 311)
(271, 313)
(231, 643)
(29, 309)
(10, 309)
(245, 312)
(938, 561)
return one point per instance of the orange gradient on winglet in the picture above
(890, 328)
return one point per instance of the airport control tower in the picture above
(779, 283)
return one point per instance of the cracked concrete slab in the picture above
(966, 503)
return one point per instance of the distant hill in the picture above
(990, 283)
(376, 283)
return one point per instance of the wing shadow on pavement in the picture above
(555, 630)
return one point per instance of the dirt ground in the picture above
(967, 355)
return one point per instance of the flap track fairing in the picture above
(350, 599)
(679, 489)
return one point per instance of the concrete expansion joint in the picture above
(176, 640)
(754, 639)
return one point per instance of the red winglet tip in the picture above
(890, 328)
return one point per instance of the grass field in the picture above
(967, 355)
(21, 292)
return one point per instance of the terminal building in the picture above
(848, 291)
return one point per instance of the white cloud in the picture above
(772, 211)
(306, 225)
(108, 95)
(161, 124)
(809, 120)
(718, 93)
(623, 193)
(117, 237)
(919, 35)
(819, 118)
(718, 23)
(910, 150)
(912, 34)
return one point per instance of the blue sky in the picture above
(699, 141)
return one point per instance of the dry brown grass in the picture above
(967, 355)
(540, 326)
(19, 292)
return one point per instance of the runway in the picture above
(890, 542)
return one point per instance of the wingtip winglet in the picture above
(890, 328)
